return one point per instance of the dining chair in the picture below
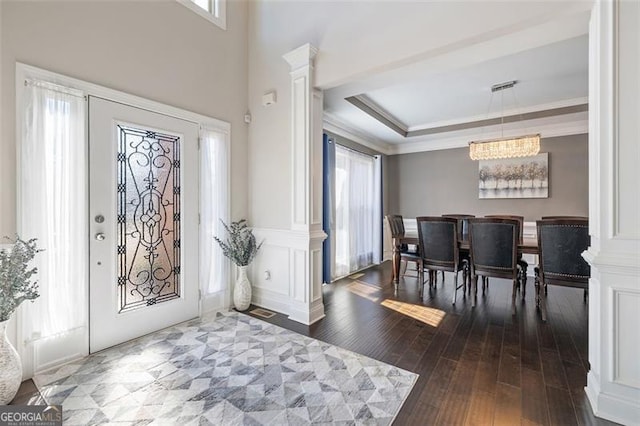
(463, 234)
(494, 252)
(560, 244)
(520, 220)
(438, 243)
(463, 223)
(523, 265)
(396, 224)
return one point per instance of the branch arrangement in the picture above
(240, 246)
(15, 276)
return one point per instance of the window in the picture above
(357, 212)
(52, 187)
(213, 10)
(214, 209)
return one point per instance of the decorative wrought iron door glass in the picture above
(148, 198)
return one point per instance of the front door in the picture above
(143, 207)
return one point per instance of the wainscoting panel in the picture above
(299, 259)
(282, 274)
(316, 265)
(386, 242)
(270, 270)
(626, 368)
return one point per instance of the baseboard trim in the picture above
(302, 314)
(610, 407)
(295, 311)
(270, 300)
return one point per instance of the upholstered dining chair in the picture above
(463, 223)
(522, 264)
(396, 224)
(560, 244)
(494, 252)
(520, 220)
(438, 242)
(463, 232)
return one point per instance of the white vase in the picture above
(242, 290)
(10, 367)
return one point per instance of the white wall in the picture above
(157, 50)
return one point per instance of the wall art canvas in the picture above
(526, 177)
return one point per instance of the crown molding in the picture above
(392, 122)
(515, 112)
(334, 125)
(501, 121)
(546, 129)
(369, 107)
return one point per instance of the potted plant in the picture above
(16, 286)
(240, 247)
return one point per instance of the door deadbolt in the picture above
(99, 218)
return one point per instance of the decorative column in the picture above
(613, 383)
(306, 188)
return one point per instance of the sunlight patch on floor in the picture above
(429, 316)
(364, 290)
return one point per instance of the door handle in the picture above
(100, 236)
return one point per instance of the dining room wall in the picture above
(446, 181)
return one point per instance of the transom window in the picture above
(208, 5)
(213, 10)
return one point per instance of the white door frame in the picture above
(41, 355)
(109, 325)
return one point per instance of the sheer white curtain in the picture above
(214, 207)
(52, 206)
(377, 209)
(355, 208)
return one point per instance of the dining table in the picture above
(527, 246)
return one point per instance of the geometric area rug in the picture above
(227, 369)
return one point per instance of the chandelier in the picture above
(521, 146)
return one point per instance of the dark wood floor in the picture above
(477, 366)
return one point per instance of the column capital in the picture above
(301, 57)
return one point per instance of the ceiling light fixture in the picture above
(521, 146)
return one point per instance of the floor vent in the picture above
(259, 312)
(356, 276)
